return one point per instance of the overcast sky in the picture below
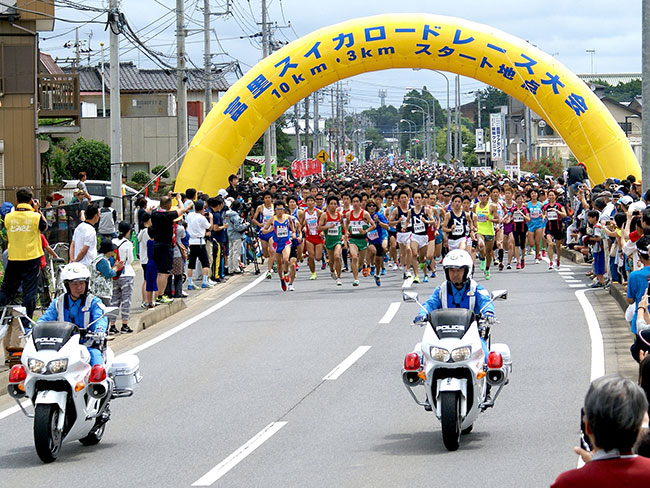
(563, 28)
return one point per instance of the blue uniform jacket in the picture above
(73, 313)
(459, 299)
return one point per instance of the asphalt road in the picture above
(257, 366)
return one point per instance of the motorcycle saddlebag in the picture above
(125, 371)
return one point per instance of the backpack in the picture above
(117, 258)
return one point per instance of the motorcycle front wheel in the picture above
(450, 419)
(47, 439)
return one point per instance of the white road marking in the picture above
(597, 347)
(582, 285)
(239, 455)
(390, 313)
(407, 283)
(173, 331)
(347, 362)
(13, 410)
(572, 281)
(566, 273)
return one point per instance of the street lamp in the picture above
(448, 116)
(430, 110)
(423, 128)
(410, 140)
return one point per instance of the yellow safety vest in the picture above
(23, 235)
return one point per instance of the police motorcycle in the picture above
(70, 398)
(450, 364)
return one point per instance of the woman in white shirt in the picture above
(123, 284)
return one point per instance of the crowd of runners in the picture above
(379, 218)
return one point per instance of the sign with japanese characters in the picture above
(496, 137)
(480, 142)
(417, 40)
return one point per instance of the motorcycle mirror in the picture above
(500, 295)
(409, 296)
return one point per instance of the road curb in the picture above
(572, 255)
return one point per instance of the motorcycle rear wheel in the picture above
(47, 440)
(450, 419)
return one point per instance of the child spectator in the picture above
(145, 242)
(123, 284)
(175, 282)
(594, 239)
(102, 273)
(107, 220)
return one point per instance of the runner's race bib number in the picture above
(418, 226)
(458, 230)
(482, 217)
(552, 215)
(312, 225)
(535, 213)
(356, 227)
(518, 217)
(282, 232)
(373, 235)
(333, 231)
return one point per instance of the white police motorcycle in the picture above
(70, 398)
(451, 366)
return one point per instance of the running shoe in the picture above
(421, 265)
(291, 288)
(286, 278)
(508, 266)
(322, 265)
(125, 329)
(372, 271)
(408, 275)
(501, 266)
(184, 295)
(164, 299)
(550, 267)
(283, 284)
(543, 253)
(597, 285)
(377, 281)
(206, 285)
(557, 261)
(191, 286)
(487, 274)
(268, 275)
(144, 305)
(383, 271)
(395, 267)
(518, 266)
(354, 283)
(313, 276)
(482, 264)
(425, 279)
(433, 274)
(523, 263)
(113, 330)
(536, 261)
(339, 282)
(416, 279)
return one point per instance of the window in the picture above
(17, 69)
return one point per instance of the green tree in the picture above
(491, 98)
(623, 92)
(93, 157)
(53, 162)
(141, 177)
(160, 169)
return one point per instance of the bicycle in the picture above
(49, 278)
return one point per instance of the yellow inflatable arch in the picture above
(404, 41)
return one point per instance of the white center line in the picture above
(239, 455)
(347, 362)
(390, 313)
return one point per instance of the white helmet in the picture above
(458, 259)
(74, 272)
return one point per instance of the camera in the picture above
(585, 443)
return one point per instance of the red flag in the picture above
(157, 183)
(146, 191)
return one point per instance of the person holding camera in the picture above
(614, 412)
(236, 228)
(637, 283)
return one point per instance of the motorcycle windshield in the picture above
(53, 335)
(451, 323)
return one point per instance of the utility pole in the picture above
(296, 126)
(645, 84)
(101, 46)
(77, 53)
(207, 57)
(333, 137)
(265, 53)
(316, 147)
(342, 122)
(307, 124)
(116, 127)
(181, 85)
(459, 133)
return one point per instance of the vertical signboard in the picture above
(496, 137)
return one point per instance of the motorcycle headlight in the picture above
(439, 354)
(461, 353)
(36, 366)
(57, 366)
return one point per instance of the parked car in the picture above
(98, 189)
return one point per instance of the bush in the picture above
(543, 167)
(141, 177)
(93, 157)
(158, 169)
